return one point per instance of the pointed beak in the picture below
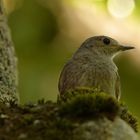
(125, 48)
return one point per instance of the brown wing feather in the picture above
(68, 77)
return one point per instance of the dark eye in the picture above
(106, 41)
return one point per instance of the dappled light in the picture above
(121, 8)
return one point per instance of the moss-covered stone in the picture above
(74, 118)
(90, 103)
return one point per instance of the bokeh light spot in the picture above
(120, 8)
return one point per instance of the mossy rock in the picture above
(90, 103)
(82, 115)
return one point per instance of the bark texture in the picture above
(8, 62)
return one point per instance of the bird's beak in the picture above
(124, 48)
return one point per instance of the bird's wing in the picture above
(68, 77)
(118, 87)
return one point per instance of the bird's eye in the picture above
(106, 41)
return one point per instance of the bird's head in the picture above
(104, 45)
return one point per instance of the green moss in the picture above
(90, 103)
(78, 91)
(90, 106)
(127, 116)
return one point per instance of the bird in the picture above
(92, 66)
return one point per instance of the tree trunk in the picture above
(8, 62)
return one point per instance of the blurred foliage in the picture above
(45, 37)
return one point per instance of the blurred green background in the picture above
(47, 32)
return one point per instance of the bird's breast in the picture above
(105, 75)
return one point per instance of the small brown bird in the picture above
(92, 66)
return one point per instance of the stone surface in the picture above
(105, 129)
